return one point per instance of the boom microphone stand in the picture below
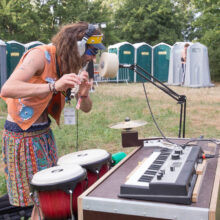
(181, 99)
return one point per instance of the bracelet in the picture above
(83, 96)
(52, 87)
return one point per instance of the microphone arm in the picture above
(181, 99)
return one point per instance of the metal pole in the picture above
(184, 120)
(180, 98)
(180, 125)
(77, 130)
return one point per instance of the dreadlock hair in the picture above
(65, 42)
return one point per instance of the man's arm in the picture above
(86, 104)
(17, 86)
(83, 94)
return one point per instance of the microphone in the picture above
(109, 65)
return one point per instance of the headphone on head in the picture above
(82, 44)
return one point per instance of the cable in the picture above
(180, 145)
(154, 120)
(207, 156)
(77, 130)
(199, 139)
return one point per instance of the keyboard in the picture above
(167, 175)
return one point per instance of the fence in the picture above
(122, 76)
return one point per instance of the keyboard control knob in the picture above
(159, 176)
(175, 156)
(172, 168)
(178, 151)
(162, 171)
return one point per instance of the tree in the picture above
(207, 31)
(150, 21)
(8, 24)
(18, 20)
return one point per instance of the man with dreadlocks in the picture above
(37, 89)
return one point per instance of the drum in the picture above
(95, 161)
(108, 65)
(58, 188)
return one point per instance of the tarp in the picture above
(197, 67)
(175, 66)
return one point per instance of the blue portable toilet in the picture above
(142, 58)
(161, 59)
(113, 49)
(32, 44)
(15, 50)
(3, 63)
(125, 52)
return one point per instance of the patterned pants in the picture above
(24, 154)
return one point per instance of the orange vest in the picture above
(26, 111)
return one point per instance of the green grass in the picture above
(3, 188)
(112, 103)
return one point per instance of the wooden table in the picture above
(101, 201)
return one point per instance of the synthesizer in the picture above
(167, 175)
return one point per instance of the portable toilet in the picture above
(32, 44)
(197, 66)
(3, 63)
(15, 51)
(161, 58)
(175, 75)
(142, 58)
(125, 52)
(112, 49)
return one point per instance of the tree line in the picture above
(167, 21)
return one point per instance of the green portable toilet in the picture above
(3, 64)
(112, 49)
(161, 59)
(142, 58)
(125, 52)
(15, 50)
(32, 44)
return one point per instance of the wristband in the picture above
(83, 96)
(52, 87)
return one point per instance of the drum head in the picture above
(108, 65)
(84, 157)
(57, 174)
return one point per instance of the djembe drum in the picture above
(58, 188)
(95, 161)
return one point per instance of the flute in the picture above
(75, 90)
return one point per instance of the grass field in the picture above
(112, 103)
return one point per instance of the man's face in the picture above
(88, 58)
(90, 54)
